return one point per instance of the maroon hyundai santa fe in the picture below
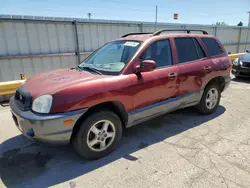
(125, 82)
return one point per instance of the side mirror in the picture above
(146, 66)
(247, 51)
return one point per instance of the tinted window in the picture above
(212, 46)
(160, 52)
(200, 52)
(186, 49)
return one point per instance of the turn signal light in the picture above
(68, 122)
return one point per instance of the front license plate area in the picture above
(15, 119)
(16, 122)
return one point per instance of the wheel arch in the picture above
(219, 80)
(114, 106)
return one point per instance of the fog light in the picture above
(30, 133)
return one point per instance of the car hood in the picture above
(53, 81)
(245, 57)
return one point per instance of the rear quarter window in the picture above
(213, 48)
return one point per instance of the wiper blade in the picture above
(78, 68)
(92, 69)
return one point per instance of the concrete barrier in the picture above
(234, 56)
(8, 88)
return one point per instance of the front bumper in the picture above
(47, 128)
(227, 82)
(240, 71)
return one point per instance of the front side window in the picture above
(160, 52)
(111, 58)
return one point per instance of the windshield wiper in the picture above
(78, 68)
(89, 68)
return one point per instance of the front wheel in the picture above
(98, 135)
(210, 99)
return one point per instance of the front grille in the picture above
(245, 64)
(244, 74)
(23, 98)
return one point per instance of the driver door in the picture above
(154, 91)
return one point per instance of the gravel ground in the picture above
(181, 149)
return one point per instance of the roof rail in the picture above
(134, 34)
(187, 30)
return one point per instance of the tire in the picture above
(92, 130)
(203, 107)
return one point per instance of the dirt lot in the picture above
(181, 149)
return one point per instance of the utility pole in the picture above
(248, 19)
(89, 15)
(156, 15)
(247, 31)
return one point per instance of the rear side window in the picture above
(212, 46)
(186, 50)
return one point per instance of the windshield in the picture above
(112, 57)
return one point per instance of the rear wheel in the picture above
(210, 99)
(98, 135)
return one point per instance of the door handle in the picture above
(207, 68)
(172, 75)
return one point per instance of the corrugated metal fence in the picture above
(31, 45)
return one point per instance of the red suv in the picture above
(123, 83)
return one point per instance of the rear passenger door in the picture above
(193, 66)
(218, 59)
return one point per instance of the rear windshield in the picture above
(213, 48)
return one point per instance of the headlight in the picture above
(236, 62)
(42, 104)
